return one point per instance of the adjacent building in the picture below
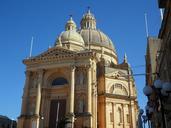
(152, 52)
(6, 122)
(158, 69)
(79, 83)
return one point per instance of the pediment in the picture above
(57, 54)
(56, 51)
(117, 74)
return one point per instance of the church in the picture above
(78, 83)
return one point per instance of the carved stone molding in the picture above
(88, 66)
(72, 67)
(56, 54)
(94, 92)
(118, 88)
(41, 71)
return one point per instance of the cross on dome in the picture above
(88, 10)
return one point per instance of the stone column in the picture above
(124, 116)
(89, 89)
(71, 97)
(25, 94)
(72, 90)
(94, 107)
(38, 96)
(115, 117)
(42, 109)
(38, 99)
(133, 114)
(24, 101)
(113, 112)
(89, 98)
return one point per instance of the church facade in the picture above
(78, 83)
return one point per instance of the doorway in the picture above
(57, 112)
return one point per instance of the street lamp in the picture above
(164, 93)
(158, 85)
(161, 89)
(147, 90)
(166, 87)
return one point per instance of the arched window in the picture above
(59, 81)
(118, 89)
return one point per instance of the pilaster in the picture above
(114, 119)
(124, 116)
(132, 107)
(113, 111)
(39, 87)
(25, 94)
(89, 98)
(71, 97)
(36, 116)
(89, 89)
(94, 107)
(21, 119)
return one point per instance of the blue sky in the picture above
(122, 21)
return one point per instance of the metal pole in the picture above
(31, 46)
(146, 24)
(57, 114)
(161, 14)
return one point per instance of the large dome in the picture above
(91, 35)
(96, 37)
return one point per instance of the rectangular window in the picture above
(81, 106)
(111, 117)
(128, 118)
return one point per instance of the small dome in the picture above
(96, 37)
(70, 25)
(70, 35)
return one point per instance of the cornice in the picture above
(58, 54)
(118, 96)
(115, 78)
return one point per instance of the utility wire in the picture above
(137, 66)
